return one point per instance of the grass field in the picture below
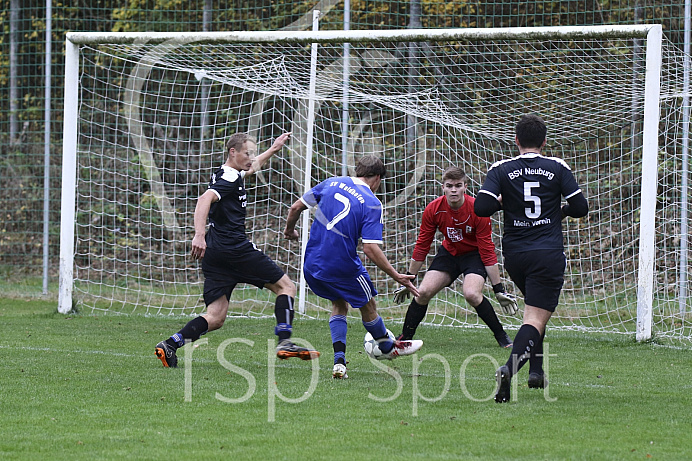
(89, 387)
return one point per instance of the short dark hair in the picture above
(531, 131)
(370, 165)
(453, 172)
(237, 141)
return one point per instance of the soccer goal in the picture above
(147, 115)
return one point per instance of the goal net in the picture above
(147, 116)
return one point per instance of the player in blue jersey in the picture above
(529, 189)
(229, 258)
(348, 211)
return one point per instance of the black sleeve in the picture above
(486, 205)
(577, 206)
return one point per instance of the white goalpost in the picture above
(147, 115)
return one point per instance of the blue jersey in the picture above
(227, 215)
(347, 211)
(532, 187)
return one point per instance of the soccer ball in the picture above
(371, 346)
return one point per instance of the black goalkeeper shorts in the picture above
(468, 263)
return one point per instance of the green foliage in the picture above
(89, 387)
(161, 13)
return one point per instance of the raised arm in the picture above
(261, 159)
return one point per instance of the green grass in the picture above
(89, 387)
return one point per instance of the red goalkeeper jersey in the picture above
(463, 231)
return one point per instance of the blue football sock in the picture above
(338, 328)
(379, 332)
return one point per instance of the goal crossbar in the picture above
(355, 36)
(651, 36)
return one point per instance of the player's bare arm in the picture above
(294, 212)
(199, 244)
(261, 159)
(376, 255)
(493, 274)
(414, 267)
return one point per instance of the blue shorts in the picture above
(357, 291)
(539, 274)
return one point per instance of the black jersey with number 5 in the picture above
(532, 187)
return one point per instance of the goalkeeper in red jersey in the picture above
(467, 248)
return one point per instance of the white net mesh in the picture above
(153, 119)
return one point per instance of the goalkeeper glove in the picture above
(508, 302)
(401, 294)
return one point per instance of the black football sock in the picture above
(175, 341)
(414, 316)
(339, 352)
(283, 311)
(526, 339)
(191, 331)
(487, 314)
(536, 359)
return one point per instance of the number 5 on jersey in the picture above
(528, 197)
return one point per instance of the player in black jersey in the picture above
(229, 258)
(529, 189)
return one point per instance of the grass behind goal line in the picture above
(89, 387)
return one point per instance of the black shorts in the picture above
(539, 275)
(246, 264)
(468, 263)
